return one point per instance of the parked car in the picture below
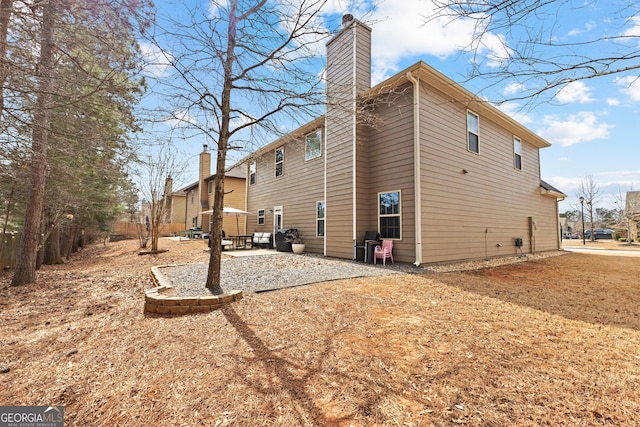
(599, 233)
(571, 236)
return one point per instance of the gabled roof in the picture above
(550, 190)
(302, 130)
(458, 94)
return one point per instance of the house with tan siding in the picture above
(417, 158)
(199, 196)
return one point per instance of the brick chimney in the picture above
(205, 172)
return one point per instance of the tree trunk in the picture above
(25, 271)
(52, 248)
(215, 257)
(5, 15)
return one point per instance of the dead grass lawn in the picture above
(551, 342)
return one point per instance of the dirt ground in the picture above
(548, 342)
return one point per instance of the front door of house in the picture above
(277, 222)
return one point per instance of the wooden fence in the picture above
(128, 229)
(9, 250)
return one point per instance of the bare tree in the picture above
(535, 54)
(590, 191)
(242, 65)
(156, 168)
(628, 205)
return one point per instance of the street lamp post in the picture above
(582, 206)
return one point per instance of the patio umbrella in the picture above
(228, 210)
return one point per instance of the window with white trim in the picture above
(252, 173)
(389, 215)
(261, 216)
(320, 211)
(210, 187)
(280, 161)
(517, 153)
(473, 132)
(313, 145)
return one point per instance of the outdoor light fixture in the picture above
(582, 206)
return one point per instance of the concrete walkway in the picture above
(602, 251)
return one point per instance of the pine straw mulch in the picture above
(548, 342)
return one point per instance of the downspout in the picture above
(416, 168)
(354, 128)
(326, 211)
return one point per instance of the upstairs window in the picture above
(252, 173)
(389, 215)
(313, 145)
(517, 153)
(320, 219)
(260, 216)
(210, 187)
(280, 161)
(473, 131)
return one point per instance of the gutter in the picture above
(417, 187)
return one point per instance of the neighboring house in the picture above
(417, 158)
(175, 203)
(199, 196)
(632, 213)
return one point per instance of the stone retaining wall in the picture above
(158, 301)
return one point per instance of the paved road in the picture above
(601, 251)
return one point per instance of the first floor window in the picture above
(260, 216)
(279, 161)
(320, 219)
(517, 153)
(389, 223)
(473, 132)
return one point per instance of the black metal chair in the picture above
(371, 239)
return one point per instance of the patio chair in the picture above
(371, 238)
(383, 251)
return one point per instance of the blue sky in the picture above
(592, 124)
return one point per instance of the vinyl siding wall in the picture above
(390, 168)
(297, 190)
(342, 141)
(477, 214)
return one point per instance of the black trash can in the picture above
(370, 249)
(281, 239)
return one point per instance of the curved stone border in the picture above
(155, 300)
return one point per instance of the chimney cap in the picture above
(346, 19)
(205, 148)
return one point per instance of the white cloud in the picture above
(399, 31)
(156, 62)
(514, 110)
(613, 102)
(634, 30)
(587, 27)
(180, 118)
(513, 88)
(567, 185)
(574, 92)
(576, 128)
(240, 120)
(630, 86)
